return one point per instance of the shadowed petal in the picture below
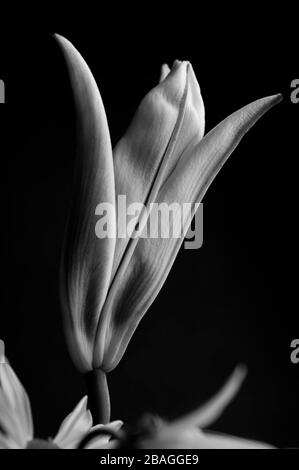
(147, 264)
(4, 443)
(74, 427)
(8, 443)
(87, 260)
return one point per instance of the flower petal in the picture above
(147, 264)
(171, 437)
(169, 118)
(102, 443)
(165, 70)
(8, 443)
(15, 410)
(113, 426)
(138, 155)
(105, 441)
(74, 427)
(9, 422)
(87, 260)
(212, 410)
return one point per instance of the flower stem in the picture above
(98, 396)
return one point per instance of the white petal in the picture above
(169, 117)
(15, 410)
(165, 70)
(87, 260)
(74, 427)
(210, 411)
(102, 441)
(112, 426)
(165, 125)
(9, 421)
(139, 153)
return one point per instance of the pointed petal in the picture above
(169, 118)
(15, 410)
(165, 70)
(200, 163)
(146, 266)
(212, 410)
(74, 427)
(87, 260)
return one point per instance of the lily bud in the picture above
(108, 284)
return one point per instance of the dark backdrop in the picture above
(234, 300)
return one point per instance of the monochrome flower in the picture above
(16, 424)
(189, 431)
(108, 284)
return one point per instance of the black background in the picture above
(234, 300)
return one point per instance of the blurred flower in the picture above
(16, 425)
(108, 284)
(173, 437)
(187, 432)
